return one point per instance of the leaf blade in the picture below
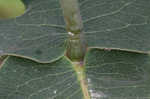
(26, 79)
(116, 24)
(117, 74)
(38, 34)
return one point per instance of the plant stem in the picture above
(81, 77)
(76, 46)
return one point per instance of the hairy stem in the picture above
(76, 46)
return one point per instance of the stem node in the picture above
(76, 46)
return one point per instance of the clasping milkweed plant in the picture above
(76, 49)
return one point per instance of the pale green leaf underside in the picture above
(109, 74)
(40, 32)
(118, 74)
(25, 79)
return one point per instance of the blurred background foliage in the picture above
(11, 8)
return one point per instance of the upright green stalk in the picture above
(76, 46)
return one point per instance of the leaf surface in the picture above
(109, 75)
(117, 74)
(117, 23)
(38, 34)
(25, 79)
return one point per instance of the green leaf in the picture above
(118, 74)
(38, 34)
(109, 75)
(25, 79)
(117, 23)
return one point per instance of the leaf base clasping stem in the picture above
(76, 46)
